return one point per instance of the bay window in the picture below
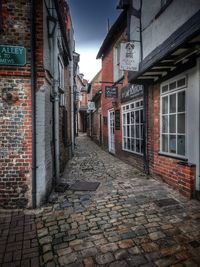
(173, 117)
(132, 121)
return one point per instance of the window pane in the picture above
(165, 105)
(124, 130)
(141, 131)
(165, 143)
(132, 117)
(172, 143)
(172, 123)
(172, 86)
(128, 132)
(181, 145)
(172, 103)
(137, 116)
(124, 119)
(128, 118)
(141, 116)
(181, 101)
(132, 144)
(125, 143)
(165, 88)
(138, 146)
(181, 123)
(165, 124)
(137, 131)
(181, 82)
(132, 131)
(128, 144)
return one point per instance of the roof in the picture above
(117, 28)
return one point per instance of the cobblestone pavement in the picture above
(130, 220)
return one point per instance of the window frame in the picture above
(61, 79)
(125, 110)
(168, 93)
(117, 72)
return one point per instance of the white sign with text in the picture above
(130, 56)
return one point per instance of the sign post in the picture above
(111, 91)
(12, 55)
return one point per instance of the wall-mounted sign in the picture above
(111, 91)
(131, 91)
(12, 55)
(91, 106)
(117, 119)
(130, 56)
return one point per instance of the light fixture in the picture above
(51, 25)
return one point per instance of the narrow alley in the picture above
(129, 220)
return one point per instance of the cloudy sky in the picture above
(90, 26)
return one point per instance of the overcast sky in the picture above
(89, 19)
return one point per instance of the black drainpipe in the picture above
(33, 92)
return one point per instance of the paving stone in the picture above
(67, 259)
(109, 247)
(126, 243)
(121, 254)
(156, 235)
(88, 262)
(119, 264)
(104, 258)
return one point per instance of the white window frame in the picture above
(60, 73)
(169, 92)
(117, 72)
(133, 106)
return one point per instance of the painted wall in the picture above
(156, 30)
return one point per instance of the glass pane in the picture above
(172, 86)
(165, 124)
(137, 104)
(165, 105)
(124, 130)
(128, 144)
(138, 146)
(124, 118)
(132, 117)
(132, 105)
(132, 131)
(181, 101)
(172, 123)
(141, 116)
(137, 116)
(172, 103)
(128, 132)
(137, 131)
(165, 143)
(181, 123)
(181, 82)
(172, 144)
(181, 145)
(125, 143)
(132, 144)
(128, 118)
(165, 88)
(141, 131)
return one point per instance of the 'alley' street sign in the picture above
(12, 55)
(130, 56)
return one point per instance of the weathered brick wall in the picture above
(15, 111)
(173, 171)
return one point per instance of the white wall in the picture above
(156, 31)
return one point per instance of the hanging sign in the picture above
(130, 56)
(131, 91)
(91, 106)
(111, 91)
(12, 55)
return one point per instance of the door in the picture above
(111, 131)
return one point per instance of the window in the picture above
(173, 117)
(60, 74)
(62, 99)
(132, 120)
(117, 72)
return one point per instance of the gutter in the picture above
(33, 97)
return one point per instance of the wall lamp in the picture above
(51, 25)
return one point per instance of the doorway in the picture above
(111, 131)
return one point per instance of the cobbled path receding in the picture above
(130, 220)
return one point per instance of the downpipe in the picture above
(72, 107)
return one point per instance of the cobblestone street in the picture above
(130, 220)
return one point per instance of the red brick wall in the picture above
(172, 171)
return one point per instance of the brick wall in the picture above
(173, 171)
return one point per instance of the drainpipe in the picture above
(56, 132)
(33, 96)
(72, 104)
(145, 133)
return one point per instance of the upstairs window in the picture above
(60, 74)
(173, 118)
(117, 72)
